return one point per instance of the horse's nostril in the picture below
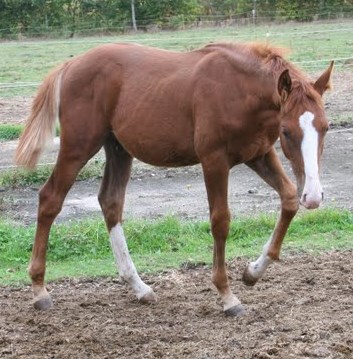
(322, 195)
(304, 197)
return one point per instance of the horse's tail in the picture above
(40, 125)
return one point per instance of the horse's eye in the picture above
(285, 133)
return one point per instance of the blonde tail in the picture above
(40, 125)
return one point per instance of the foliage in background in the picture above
(67, 17)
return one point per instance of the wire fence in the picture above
(342, 54)
(342, 29)
(310, 64)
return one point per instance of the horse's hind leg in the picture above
(71, 159)
(111, 198)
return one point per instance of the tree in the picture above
(37, 17)
(133, 18)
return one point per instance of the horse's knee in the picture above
(290, 200)
(220, 224)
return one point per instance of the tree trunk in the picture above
(133, 15)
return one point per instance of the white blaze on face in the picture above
(312, 192)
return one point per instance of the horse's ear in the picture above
(323, 83)
(284, 85)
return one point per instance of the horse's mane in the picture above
(264, 57)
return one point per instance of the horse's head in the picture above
(302, 132)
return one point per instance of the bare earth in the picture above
(301, 309)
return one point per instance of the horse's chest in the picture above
(245, 148)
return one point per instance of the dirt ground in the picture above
(301, 309)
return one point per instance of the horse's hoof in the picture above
(248, 278)
(236, 311)
(43, 303)
(149, 297)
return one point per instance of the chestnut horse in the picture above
(221, 105)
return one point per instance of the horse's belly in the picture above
(167, 158)
(159, 148)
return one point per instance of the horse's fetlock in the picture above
(36, 273)
(127, 277)
(220, 282)
(273, 254)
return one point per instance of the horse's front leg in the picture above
(271, 170)
(216, 171)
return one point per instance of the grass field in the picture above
(83, 249)
(313, 45)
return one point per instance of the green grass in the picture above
(21, 177)
(29, 61)
(82, 248)
(13, 131)
(10, 132)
